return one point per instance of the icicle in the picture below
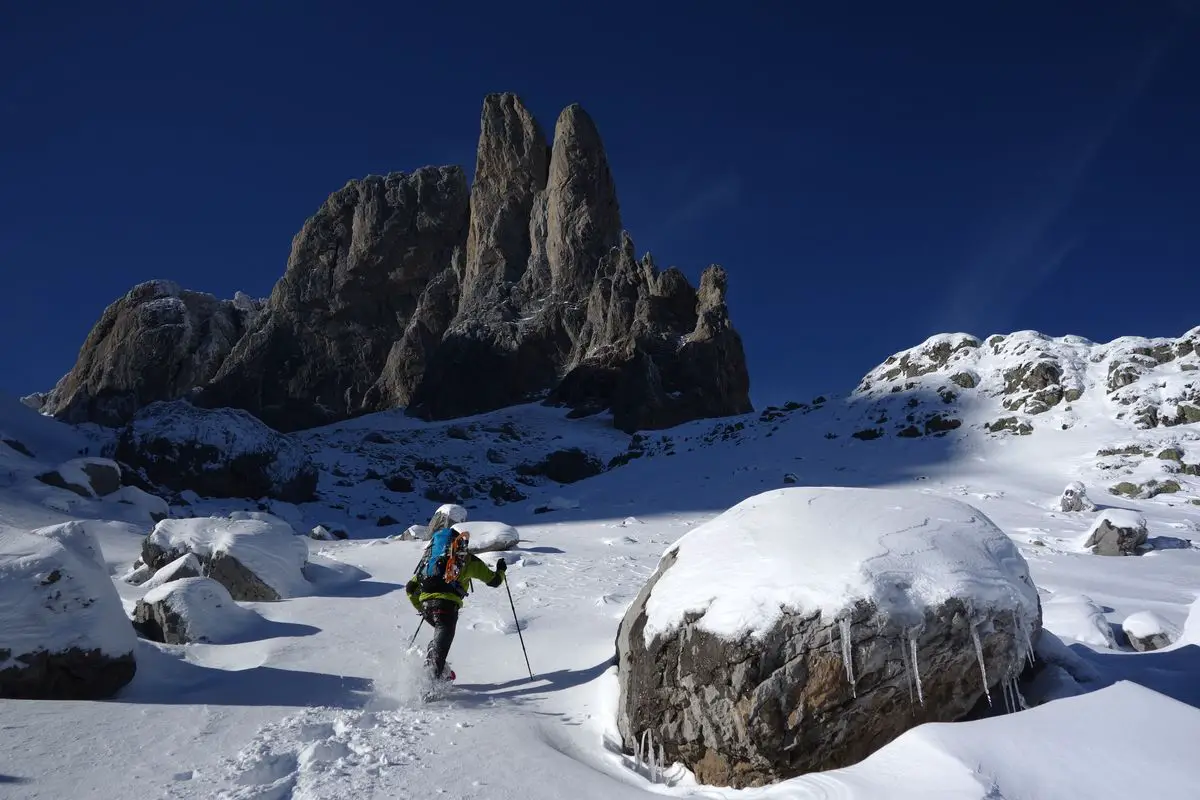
(662, 760)
(982, 666)
(1023, 642)
(848, 653)
(916, 668)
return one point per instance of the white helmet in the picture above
(447, 516)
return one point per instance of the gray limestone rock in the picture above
(406, 291)
(158, 342)
(356, 272)
(1117, 537)
(748, 712)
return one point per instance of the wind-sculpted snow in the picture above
(822, 550)
(262, 558)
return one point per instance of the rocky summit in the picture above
(414, 290)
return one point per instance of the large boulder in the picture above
(86, 477)
(63, 632)
(157, 342)
(216, 453)
(191, 609)
(805, 628)
(255, 556)
(489, 537)
(1117, 532)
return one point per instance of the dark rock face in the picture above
(157, 342)
(356, 272)
(405, 291)
(216, 453)
(1108, 539)
(565, 466)
(100, 477)
(750, 712)
(69, 675)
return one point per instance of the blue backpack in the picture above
(444, 563)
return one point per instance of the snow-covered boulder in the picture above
(1148, 631)
(487, 537)
(805, 627)
(325, 533)
(154, 506)
(1078, 617)
(191, 610)
(254, 556)
(86, 477)
(220, 452)
(186, 566)
(1117, 532)
(1074, 498)
(63, 632)
(415, 533)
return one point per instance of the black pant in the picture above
(442, 616)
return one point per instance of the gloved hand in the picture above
(501, 566)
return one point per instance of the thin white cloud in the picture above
(1021, 252)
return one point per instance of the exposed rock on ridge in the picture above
(158, 342)
(356, 273)
(407, 291)
(1027, 379)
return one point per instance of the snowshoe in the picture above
(437, 688)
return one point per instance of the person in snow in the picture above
(442, 580)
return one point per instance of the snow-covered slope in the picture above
(319, 702)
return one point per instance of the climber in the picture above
(442, 580)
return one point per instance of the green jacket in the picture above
(475, 569)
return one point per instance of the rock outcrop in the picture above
(86, 477)
(216, 453)
(1117, 532)
(406, 291)
(354, 277)
(1026, 377)
(158, 342)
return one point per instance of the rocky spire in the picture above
(512, 163)
(583, 220)
(408, 290)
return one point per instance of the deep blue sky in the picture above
(869, 173)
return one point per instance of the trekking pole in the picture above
(517, 622)
(418, 630)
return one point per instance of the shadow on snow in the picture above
(165, 679)
(543, 683)
(1171, 672)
